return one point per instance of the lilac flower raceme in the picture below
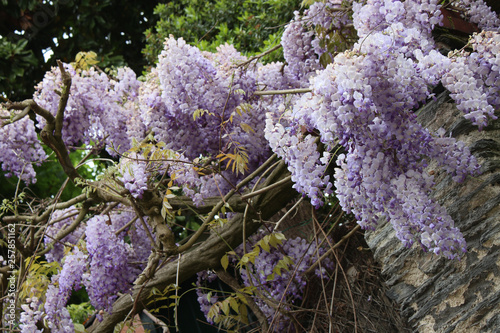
(204, 299)
(109, 269)
(72, 273)
(20, 148)
(70, 278)
(134, 174)
(290, 285)
(57, 316)
(30, 316)
(299, 52)
(474, 79)
(98, 107)
(202, 105)
(139, 246)
(477, 11)
(364, 101)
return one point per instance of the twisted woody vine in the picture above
(205, 134)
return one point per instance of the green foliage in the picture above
(11, 205)
(266, 243)
(38, 277)
(200, 112)
(167, 294)
(252, 26)
(166, 208)
(85, 60)
(80, 312)
(15, 60)
(230, 312)
(282, 265)
(238, 160)
(112, 29)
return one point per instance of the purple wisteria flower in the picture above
(109, 269)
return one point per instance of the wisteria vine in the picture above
(198, 123)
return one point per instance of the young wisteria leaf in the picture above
(279, 236)
(224, 261)
(225, 307)
(165, 207)
(154, 291)
(79, 328)
(147, 150)
(243, 108)
(200, 112)
(170, 195)
(234, 304)
(243, 311)
(84, 60)
(265, 246)
(213, 312)
(282, 265)
(247, 128)
(275, 239)
(325, 59)
(250, 290)
(118, 328)
(270, 277)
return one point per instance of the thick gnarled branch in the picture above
(207, 255)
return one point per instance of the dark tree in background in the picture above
(112, 29)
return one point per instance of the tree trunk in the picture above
(436, 294)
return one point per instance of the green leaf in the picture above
(247, 128)
(165, 207)
(265, 246)
(79, 328)
(200, 112)
(243, 314)
(225, 307)
(224, 261)
(234, 304)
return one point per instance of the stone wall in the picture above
(434, 293)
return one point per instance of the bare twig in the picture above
(144, 225)
(221, 203)
(258, 56)
(47, 211)
(17, 117)
(265, 189)
(330, 250)
(283, 92)
(63, 233)
(288, 213)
